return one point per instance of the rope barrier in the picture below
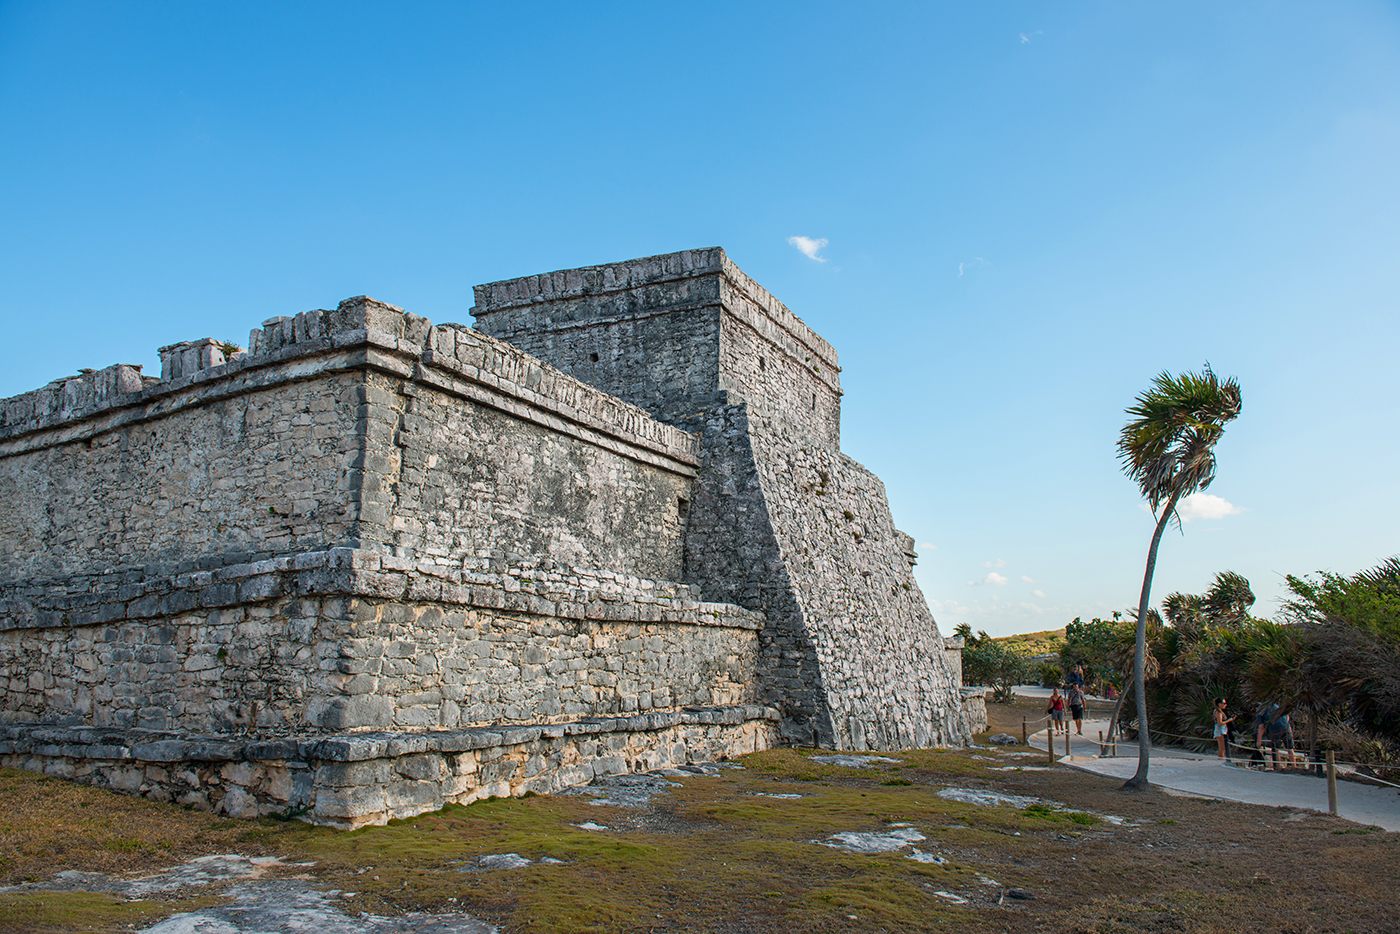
(1305, 763)
(1208, 741)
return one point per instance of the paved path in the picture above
(1211, 777)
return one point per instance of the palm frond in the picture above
(1168, 446)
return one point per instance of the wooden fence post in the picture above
(1050, 742)
(1332, 781)
(1025, 737)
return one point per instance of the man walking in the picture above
(1076, 707)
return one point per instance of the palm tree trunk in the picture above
(1312, 734)
(1139, 780)
(1117, 708)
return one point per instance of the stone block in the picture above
(355, 774)
(238, 802)
(360, 804)
(421, 767)
(365, 710)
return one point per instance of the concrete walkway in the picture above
(1211, 777)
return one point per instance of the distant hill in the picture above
(1036, 643)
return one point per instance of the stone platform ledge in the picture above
(353, 779)
(95, 599)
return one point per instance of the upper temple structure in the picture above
(371, 565)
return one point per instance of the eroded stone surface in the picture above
(261, 900)
(851, 762)
(206, 870)
(627, 791)
(986, 798)
(293, 908)
(879, 842)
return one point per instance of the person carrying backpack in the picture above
(1274, 728)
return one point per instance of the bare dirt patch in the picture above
(748, 851)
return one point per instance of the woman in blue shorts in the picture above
(1222, 727)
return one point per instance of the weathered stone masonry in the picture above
(371, 565)
(782, 522)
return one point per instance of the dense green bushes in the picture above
(989, 662)
(1332, 657)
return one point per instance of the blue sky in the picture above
(1029, 210)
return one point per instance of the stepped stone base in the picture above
(355, 779)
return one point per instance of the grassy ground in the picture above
(719, 855)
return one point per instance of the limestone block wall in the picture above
(732, 555)
(460, 484)
(781, 521)
(348, 639)
(669, 333)
(265, 470)
(351, 780)
(886, 682)
(774, 362)
(645, 331)
(359, 426)
(788, 526)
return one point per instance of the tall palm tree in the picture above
(1168, 449)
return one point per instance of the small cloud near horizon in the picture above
(809, 247)
(1205, 506)
(928, 546)
(1028, 579)
(998, 563)
(1039, 593)
(992, 578)
(1201, 506)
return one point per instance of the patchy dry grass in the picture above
(720, 854)
(61, 912)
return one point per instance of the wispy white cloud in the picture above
(1039, 593)
(1026, 36)
(809, 247)
(1205, 506)
(992, 578)
(1028, 579)
(998, 563)
(971, 264)
(928, 546)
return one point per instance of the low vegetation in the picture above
(1331, 657)
(742, 851)
(1048, 642)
